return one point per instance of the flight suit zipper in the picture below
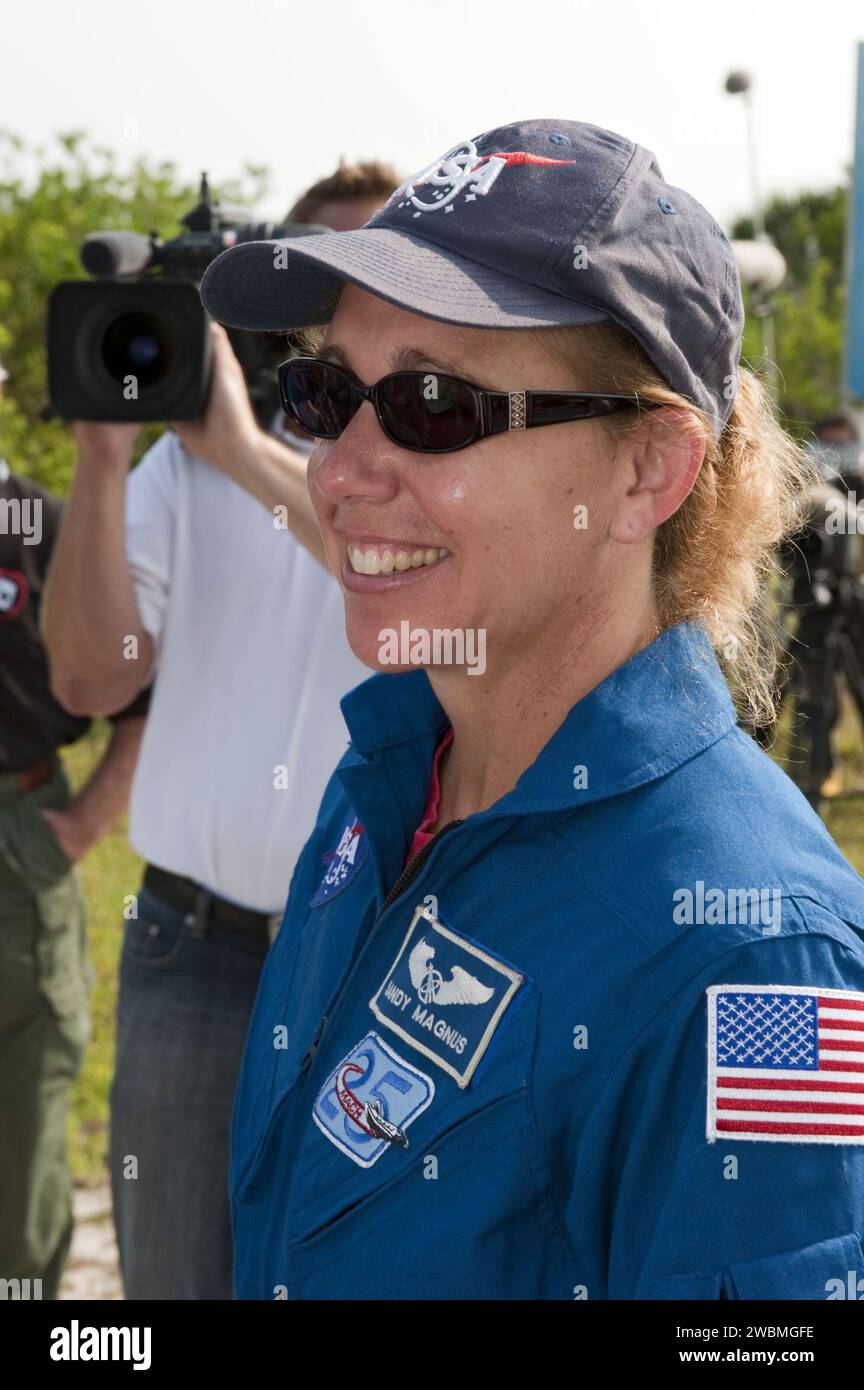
(410, 872)
(405, 879)
(408, 875)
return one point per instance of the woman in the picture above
(541, 880)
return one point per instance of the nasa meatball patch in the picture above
(342, 863)
(445, 995)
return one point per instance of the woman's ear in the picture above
(664, 454)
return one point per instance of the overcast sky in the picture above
(295, 85)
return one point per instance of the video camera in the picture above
(134, 343)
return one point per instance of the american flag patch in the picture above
(785, 1063)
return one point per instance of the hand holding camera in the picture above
(227, 432)
(106, 444)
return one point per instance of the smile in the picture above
(385, 559)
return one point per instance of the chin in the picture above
(395, 640)
(363, 639)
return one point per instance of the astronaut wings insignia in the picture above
(445, 994)
(431, 986)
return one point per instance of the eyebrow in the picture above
(406, 360)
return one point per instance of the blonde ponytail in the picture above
(716, 557)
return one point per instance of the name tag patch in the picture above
(342, 862)
(368, 1102)
(445, 995)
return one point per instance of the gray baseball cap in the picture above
(537, 224)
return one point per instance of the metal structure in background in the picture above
(822, 595)
(740, 83)
(853, 356)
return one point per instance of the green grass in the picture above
(112, 870)
(109, 872)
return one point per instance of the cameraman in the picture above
(241, 630)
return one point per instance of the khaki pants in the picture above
(44, 1025)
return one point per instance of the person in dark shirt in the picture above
(836, 450)
(44, 973)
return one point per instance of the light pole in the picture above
(741, 84)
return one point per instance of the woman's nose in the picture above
(362, 462)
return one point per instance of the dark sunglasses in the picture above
(426, 411)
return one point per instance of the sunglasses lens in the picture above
(317, 396)
(427, 411)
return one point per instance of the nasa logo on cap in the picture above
(461, 169)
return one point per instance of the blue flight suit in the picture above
(564, 1056)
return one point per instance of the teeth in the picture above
(385, 561)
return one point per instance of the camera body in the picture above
(133, 343)
(128, 349)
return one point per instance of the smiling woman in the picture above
(507, 1050)
(716, 555)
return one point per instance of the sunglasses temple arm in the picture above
(497, 409)
(495, 406)
(598, 405)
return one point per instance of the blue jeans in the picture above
(186, 994)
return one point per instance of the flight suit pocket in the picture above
(406, 1184)
(827, 1270)
(468, 1216)
(830, 1269)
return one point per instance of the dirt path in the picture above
(92, 1271)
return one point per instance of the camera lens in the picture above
(138, 345)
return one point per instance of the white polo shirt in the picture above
(244, 728)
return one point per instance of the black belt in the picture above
(202, 907)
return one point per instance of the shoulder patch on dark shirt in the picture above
(13, 593)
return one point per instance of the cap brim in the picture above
(274, 286)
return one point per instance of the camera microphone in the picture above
(116, 253)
